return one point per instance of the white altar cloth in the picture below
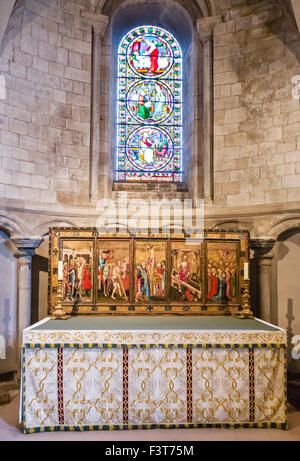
(147, 376)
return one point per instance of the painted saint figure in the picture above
(86, 283)
(147, 56)
(144, 106)
(66, 285)
(143, 287)
(72, 276)
(184, 271)
(214, 284)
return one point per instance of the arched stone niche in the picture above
(175, 19)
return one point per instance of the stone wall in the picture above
(257, 120)
(45, 131)
(8, 305)
(45, 66)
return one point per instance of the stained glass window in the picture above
(149, 139)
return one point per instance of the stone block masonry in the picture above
(255, 112)
(47, 105)
(46, 112)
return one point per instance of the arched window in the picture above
(149, 132)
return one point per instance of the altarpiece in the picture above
(159, 333)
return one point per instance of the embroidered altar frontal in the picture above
(144, 373)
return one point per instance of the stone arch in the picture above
(10, 226)
(43, 229)
(196, 8)
(192, 6)
(236, 225)
(6, 7)
(284, 228)
(209, 7)
(126, 15)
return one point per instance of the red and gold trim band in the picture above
(60, 388)
(125, 386)
(251, 386)
(189, 384)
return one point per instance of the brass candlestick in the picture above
(247, 312)
(59, 313)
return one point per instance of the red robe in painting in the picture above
(86, 284)
(184, 272)
(154, 61)
(213, 286)
(189, 296)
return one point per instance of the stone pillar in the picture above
(205, 28)
(98, 23)
(26, 247)
(263, 256)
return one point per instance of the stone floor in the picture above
(11, 430)
(9, 390)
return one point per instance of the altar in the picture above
(121, 373)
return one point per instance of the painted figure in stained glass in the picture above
(149, 95)
(150, 101)
(149, 148)
(150, 56)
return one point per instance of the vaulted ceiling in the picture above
(196, 7)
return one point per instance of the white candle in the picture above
(60, 270)
(246, 271)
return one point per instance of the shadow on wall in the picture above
(254, 288)
(39, 288)
(6, 321)
(289, 330)
(275, 18)
(8, 311)
(286, 289)
(23, 14)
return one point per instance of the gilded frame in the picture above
(148, 307)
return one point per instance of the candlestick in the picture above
(60, 270)
(59, 313)
(246, 271)
(247, 312)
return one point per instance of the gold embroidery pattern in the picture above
(41, 372)
(156, 380)
(94, 382)
(60, 386)
(189, 382)
(136, 337)
(222, 392)
(251, 386)
(270, 397)
(125, 386)
(226, 386)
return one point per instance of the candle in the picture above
(246, 271)
(60, 270)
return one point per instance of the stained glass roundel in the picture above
(150, 101)
(149, 107)
(150, 56)
(149, 148)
